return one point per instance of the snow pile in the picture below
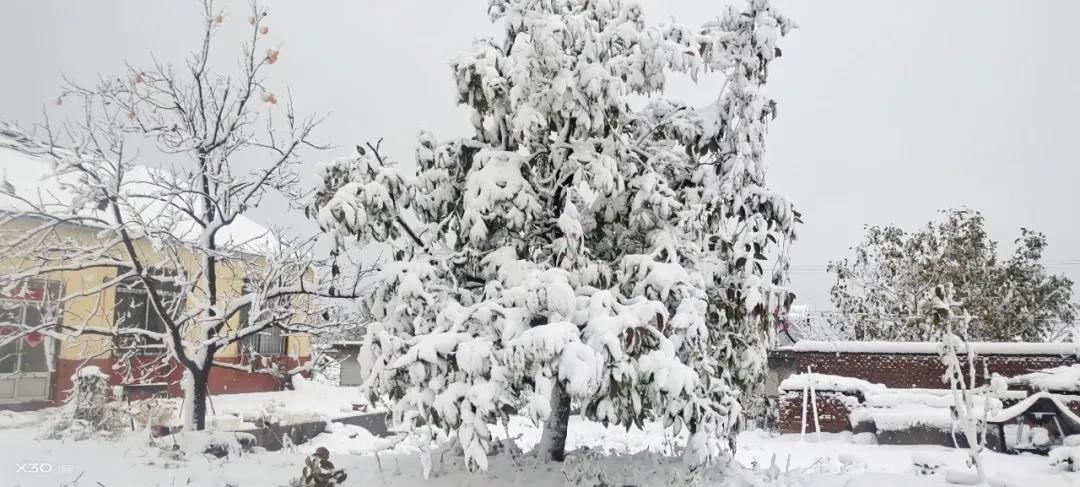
(826, 382)
(12, 419)
(89, 372)
(310, 401)
(1061, 379)
(941, 398)
(589, 468)
(1066, 457)
(926, 463)
(216, 443)
(354, 440)
(904, 417)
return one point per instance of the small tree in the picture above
(965, 390)
(575, 248)
(886, 291)
(177, 235)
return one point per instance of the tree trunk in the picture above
(553, 440)
(201, 386)
(196, 390)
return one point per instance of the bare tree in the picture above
(973, 404)
(176, 235)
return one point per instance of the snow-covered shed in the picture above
(1034, 424)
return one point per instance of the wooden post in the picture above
(813, 401)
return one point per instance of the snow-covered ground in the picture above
(837, 460)
(310, 401)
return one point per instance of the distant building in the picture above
(37, 369)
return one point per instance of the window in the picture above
(133, 309)
(24, 309)
(270, 340)
(9, 352)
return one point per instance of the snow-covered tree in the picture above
(175, 235)
(973, 404)
(886, 291)
(577, 249)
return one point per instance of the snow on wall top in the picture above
(932, 348)
(831, 383)
(27, 174)
(1065, 378)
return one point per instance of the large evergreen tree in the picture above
(885, 292)
(576, 248)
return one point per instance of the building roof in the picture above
(28, 173)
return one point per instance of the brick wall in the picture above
(894, 370)
(833, 411)
(897, 370)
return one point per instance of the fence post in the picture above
(813, 401)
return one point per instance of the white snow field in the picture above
(614, 455)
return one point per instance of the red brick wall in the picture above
(223, 380)
(916, 370)
(833, 411)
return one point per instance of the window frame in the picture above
(271, 341)
(133, 288)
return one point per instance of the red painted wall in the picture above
(894, 370)
(146, 370)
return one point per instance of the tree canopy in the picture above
(576, 248)
(884, 291)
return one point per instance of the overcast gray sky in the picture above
(889, 110)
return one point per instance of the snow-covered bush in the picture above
(152, 413)
(575, 249)
(88, 412)
(90, 395)
(1040, 437)
(864, 438)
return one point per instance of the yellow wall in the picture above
(95, 311)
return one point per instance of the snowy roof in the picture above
(1022, 406)
(1065, 378)
(27, 173)
(995, 348)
